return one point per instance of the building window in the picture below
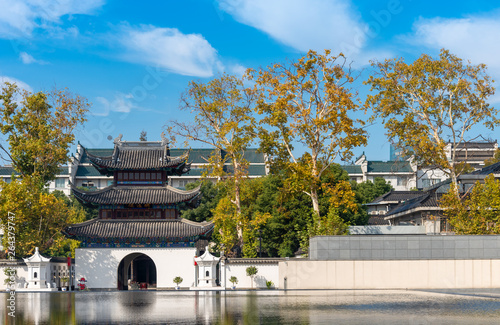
(88, 184)
(60, 182)
(7, 180)
(183, 182)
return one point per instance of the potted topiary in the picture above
(64, 283)
(269, 284)
(177, 281)
(234, 281)
(251, 272)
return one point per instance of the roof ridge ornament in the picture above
(166, 150)
(118, 139)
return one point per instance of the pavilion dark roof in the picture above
(139, 158)
(136, 195)
(152, 229)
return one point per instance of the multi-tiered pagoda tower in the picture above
(138, 231)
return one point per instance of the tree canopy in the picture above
(432, 103)
(478, 212)
(308, 103)
(40, 129)
(223, 119)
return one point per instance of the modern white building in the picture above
(405, 175)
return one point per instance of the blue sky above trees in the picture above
(133, 60)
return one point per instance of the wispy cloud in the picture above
(473, 38)
(19, 83)
(19, 18)
(303, 25)
(121, 103)
(29, 59)
(170, 49)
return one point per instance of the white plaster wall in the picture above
(99, 266)
(22, 275)
(265, 272)
(393, 274)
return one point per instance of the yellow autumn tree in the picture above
(39, 128)
(478, 212)
(424, 103)
(308, 104)
(35, 216)
(222, 119)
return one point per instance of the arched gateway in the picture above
(138, 234)
(136, 271)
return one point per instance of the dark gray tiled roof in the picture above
(428, 200)
(380, 167)
(491, 169)
(352, 169)
(389, 167)
(8, 171)
(137, 158)
(269, 260)
(136, 195)
(396, 196)
(87, 171)
(152, 229)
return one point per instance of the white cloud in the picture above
(28, 59)
(304, 25)
(168, 48)
(473, 38)
(18, 18)
(121, 103)
(19, 83)
(237, 70)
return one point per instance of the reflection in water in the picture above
(254, 307)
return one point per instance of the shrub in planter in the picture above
(234, 281)
(177, 280)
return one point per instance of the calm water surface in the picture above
(254, 307)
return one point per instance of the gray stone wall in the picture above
(404, 247)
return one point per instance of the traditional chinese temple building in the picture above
(138, 238)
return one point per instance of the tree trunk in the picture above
(237, 200)
(315, 202)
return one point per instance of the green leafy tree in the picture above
(38, 219)
(222, 110)
(368, 191)
(210, 197)
(478, 212)
(40, 130)
(424, 103)
(308, 103)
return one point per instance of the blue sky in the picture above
(132, 60)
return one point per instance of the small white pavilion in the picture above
(207, 270)
(38, 273)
